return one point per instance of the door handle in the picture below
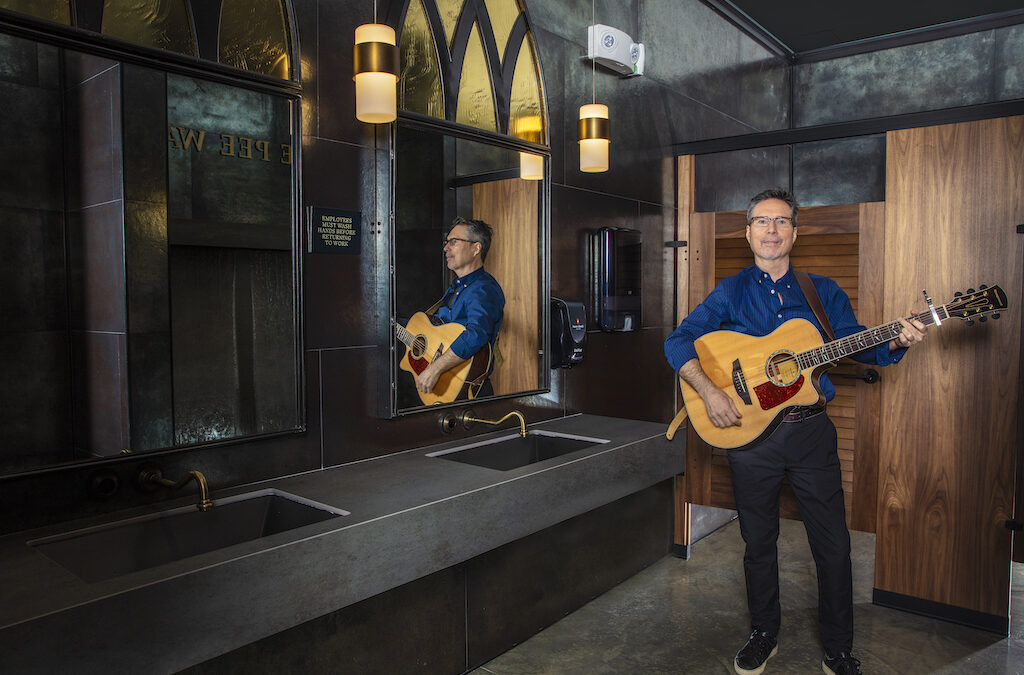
(869, 375)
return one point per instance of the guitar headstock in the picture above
(986, 300)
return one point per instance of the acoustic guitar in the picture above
(766, 377)
(425, 340)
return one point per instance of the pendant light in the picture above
(594, 127)
(531, 166)
(375, 63)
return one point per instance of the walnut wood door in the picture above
(950, 426)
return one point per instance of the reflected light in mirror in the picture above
(531, 167)
(594, 137)
(376, 68)
(529, 128)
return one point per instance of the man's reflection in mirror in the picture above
(468, 318)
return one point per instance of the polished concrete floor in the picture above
(689, 616)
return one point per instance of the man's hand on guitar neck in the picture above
(912, 333)
(721, 409)
(427, 380)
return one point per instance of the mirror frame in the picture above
(386, 273)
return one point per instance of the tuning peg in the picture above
(982, 287)
(996, 315)
(969, 291)
(983, 319)
(957, 294)
(970, 322)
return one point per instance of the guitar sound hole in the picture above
(419, 345)
(782, 368)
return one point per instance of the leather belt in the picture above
(800, 413)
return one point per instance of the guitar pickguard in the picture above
(771, 395)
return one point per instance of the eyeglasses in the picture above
(764, 221)
(450, 240)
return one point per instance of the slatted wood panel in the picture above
(510, 207)
(954, 195)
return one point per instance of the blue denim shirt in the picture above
(478, 304)
(751, 303)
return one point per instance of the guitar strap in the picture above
(814, 300)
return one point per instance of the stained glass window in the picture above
(163, 24)
(254, 37)
(51, 10)
(419, 87)
(452, 61)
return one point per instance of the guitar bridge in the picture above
(740, 382)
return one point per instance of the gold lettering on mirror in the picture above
(182, 138)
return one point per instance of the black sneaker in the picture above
(841, 664)
(759, 648)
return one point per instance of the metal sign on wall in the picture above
(333, 230)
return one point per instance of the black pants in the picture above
(805, 453)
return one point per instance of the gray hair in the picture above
(773, 193)
(478, 231)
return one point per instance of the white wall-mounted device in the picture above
(614, 49)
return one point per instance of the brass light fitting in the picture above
(375, 66)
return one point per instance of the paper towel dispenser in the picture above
(617, 269)
(568, 332)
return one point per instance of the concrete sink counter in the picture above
(410, 515)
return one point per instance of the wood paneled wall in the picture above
(510, 208)
(954, 195)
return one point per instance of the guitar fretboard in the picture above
(858, 342)
(404, 335)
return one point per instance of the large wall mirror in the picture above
(439, 175)
(150, 295)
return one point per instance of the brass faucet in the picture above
(467, 420)
(152, 477)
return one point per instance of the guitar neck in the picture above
(404, 335)
(859, 342)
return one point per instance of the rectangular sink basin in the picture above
(108, 551)
(513, 451)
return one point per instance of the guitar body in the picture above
(761, 378)
(429, 340)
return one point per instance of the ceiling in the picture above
(804, 25)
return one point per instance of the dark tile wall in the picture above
(34, 346)
(95, 244)
(971, 69)
(964, 70)
(704, 80)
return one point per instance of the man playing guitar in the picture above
(474, 300)
(757, 301)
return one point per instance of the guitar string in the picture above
(837, 349)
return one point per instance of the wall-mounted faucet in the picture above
(468, 420)
(150, 478)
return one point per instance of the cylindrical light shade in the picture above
(376, 73)
(594, 135)
(531, 166)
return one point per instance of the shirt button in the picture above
(780, 316)
(773, 291)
